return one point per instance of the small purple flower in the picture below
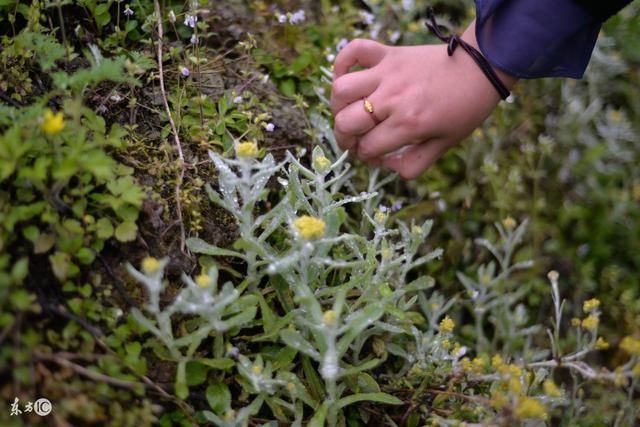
(341, 44)
(382, 208)
(237, 100)
(269, 127)
(194, 39)
(128, 11)
(190, 20)
(407, 5)
(232, 351)
(297, 17)
(396, 206)
(282, 18)
(394, 37)
(368, 17)
(184, 71)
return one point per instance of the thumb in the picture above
(367, 53)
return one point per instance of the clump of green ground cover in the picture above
(296, 288)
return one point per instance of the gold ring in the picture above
(368, 106)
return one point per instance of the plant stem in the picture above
(176, 137)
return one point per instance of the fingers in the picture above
(367, 53)
(413, 160)
(346, 141)
(351, 87)
(355, 120)
(386, 138)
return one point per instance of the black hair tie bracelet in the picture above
(454, 40)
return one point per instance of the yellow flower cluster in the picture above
(386, 253)
(601, 344)
(458, 350)
(329, 317)
(203, 280)
(321, 163)
(230, 415)
(380, 217)
(591, 305)
(309, 227)
(476, 366)
(513, 374)
(499, 400)
(630, 345)
(590, 323)
(497, 362)
(551, 389)
(509, 223)
(150, 265)
(529, 407)
(620, 379)
(52, 123)
(447, 324)
(485, 279)
(247, 149)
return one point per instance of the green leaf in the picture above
(60, 263)
(21, 299)
(44, 243)
(379, 397)
(199, 246)
(295, 340)
(85, 256)
(126, 232)
(20, 270)
(196, 373)
(357, 324)
(31, 233)
(366, 366)
(319, 417)
(288, 87)
(104, 228)
(242, 318)
(220, 363)
(219, 397)
(182, 390)
(133, 349)
(316, 386)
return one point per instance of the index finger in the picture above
(367, 53)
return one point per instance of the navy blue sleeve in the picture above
(541, 38)
(536, 38)
(603, 10)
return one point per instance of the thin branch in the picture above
(176, 137)
(96, 376)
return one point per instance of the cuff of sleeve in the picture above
(538, 38)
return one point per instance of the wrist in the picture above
(469, 36)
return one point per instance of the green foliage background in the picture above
(111, 188)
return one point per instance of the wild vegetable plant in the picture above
(339, 288)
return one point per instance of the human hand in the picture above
(424, 102)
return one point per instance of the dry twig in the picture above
(176, 137)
